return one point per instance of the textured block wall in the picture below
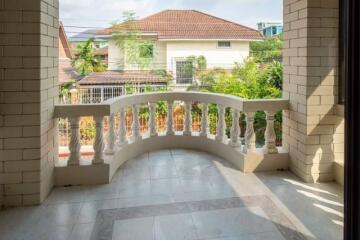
(313, 131)
(28, 92)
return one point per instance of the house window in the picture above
(274, 31)
(224, 44)
(146, 51)
(184, 72)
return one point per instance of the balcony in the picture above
(117, 147)
(177, 182)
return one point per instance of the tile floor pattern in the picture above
(181, 194)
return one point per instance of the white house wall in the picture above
(117, 60)
(215, 56)
(166, 54)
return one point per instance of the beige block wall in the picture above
(313, 131)
(28, 92)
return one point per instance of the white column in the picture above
(102, 94)
(99, 141)
(169, 119)
(122, 128)
(221, 125)
(152, 120)
(270, 135)
(136, 123)
(74, 147)
(235, 129)
(110, 136)
(250, 138)
(204, 120)
(188, 120)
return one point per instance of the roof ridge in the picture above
(154, 14)
(207, 14)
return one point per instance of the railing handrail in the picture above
(113, 105)
(82, 110)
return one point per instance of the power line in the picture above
(81, 27)
(90, 19)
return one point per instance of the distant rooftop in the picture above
(84, 36)
(122, 78)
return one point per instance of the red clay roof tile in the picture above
(187, 24)
(122, 77)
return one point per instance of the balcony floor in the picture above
(181, 194)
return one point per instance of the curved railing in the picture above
(118, 143)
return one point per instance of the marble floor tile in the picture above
(163, 171)
(231, 222)
(134, 229)
(60, 214)
(81, 231)
(175, 227)
(168, 186)
(90, 209)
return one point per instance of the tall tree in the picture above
(268, 50)
(137, 50)
(85, 60)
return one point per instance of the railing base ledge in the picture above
(102, 174)
(82, 175)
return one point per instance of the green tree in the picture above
(138, 50)
(247, 80)
(268, 50)
(85, 60)
(64, 93)
(250, 80)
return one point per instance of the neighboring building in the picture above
(121, 78)
(66, 72)
(82, 37)
(174, 35)
(103, 54)
(100, 86)
(270, 29)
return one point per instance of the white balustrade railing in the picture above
(118, 138)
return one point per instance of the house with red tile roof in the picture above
(174, 36)
(66, 72)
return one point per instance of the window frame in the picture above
(183, 61)
(224, 47)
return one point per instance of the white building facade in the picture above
(173, 38)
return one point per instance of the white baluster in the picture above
(74, 147)
(99, 141)
(122, 128)
(221, 125)
(152, 120)
(188, 120)
(250, 138)
(136, 123)
(270, 135)
(169, 119)
(235, 129)
(110, 136)
(204, 120)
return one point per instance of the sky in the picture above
(85, 14)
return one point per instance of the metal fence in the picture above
(98, 94)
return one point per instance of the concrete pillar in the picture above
(312, 129)
(28, 92)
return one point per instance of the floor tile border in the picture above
(103, 227)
